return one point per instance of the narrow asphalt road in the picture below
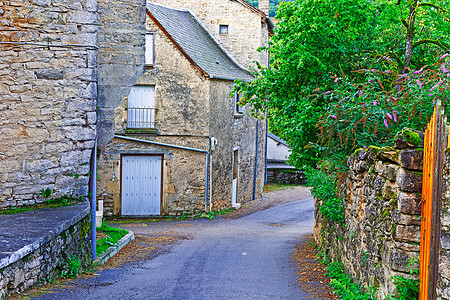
(245, 258)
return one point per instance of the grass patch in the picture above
(273, 187)
(111, 237)
(49, 203)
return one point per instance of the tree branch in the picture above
(429, 41)
(434, 6)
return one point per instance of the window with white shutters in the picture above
(141, 107)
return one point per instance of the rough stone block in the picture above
(389, 154)
(407, 233)
(398, 260)
(409, 181)
(389, 190)
(403, 219)
(444, 266)
(50, 74)
(409, 203)
(409, 138)
(411, 159)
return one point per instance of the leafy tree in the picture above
(316, 48)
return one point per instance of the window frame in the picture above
(150, 62)
(224, 26)
(141, 116)
(238, 110)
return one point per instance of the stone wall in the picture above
(121, 41)
(184, 174)
(443, 286)
(235, 132)
(287, 176)
(47, 97)
(381, 194)
(38, 266)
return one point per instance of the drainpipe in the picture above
(267, 134)
(94, 197)
(177, 147)
(256, 159)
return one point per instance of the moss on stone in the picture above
(357, 151)
(412, 137)
(374, 149)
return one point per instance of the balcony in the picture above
(141, 120)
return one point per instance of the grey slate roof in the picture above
(197, 43)
(274, 137)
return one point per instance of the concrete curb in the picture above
(103, 258)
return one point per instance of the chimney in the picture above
(264, 6)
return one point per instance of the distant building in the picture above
(278, 169)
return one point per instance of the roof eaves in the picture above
(230, 79)
(219, 44)
(195, 66)
(276, 138)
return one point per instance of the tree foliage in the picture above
(318, 46)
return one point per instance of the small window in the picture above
(150, 49)
(223, 29)
(237, 108)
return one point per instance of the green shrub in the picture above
(324, 188)
(343, 284)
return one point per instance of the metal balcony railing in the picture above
(141, 117)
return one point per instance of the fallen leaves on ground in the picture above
(310, 272)
(141, 248)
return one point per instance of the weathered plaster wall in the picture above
(277, 151)
(189, 109)
(182, 116)
(184, 174)
(47, 98)
(234, 132)
(121, 41)
(246, 32)
(381, 195)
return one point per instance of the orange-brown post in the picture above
(427, 189)
(431, 204)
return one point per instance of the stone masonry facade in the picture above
(121, 40)
(381, 194)
(48, 92)
(189, 109)
(246, 34)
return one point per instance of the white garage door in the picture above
(141, 185)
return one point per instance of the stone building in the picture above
(278, 168)
(48, 92)
(182, 144)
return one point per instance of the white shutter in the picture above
(149, 49)
(141, 107)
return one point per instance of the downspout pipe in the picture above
(94, 198)
(177, 147)
(265, 156)
(256, 159)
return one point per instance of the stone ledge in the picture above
(113, 250)
(26, 232)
